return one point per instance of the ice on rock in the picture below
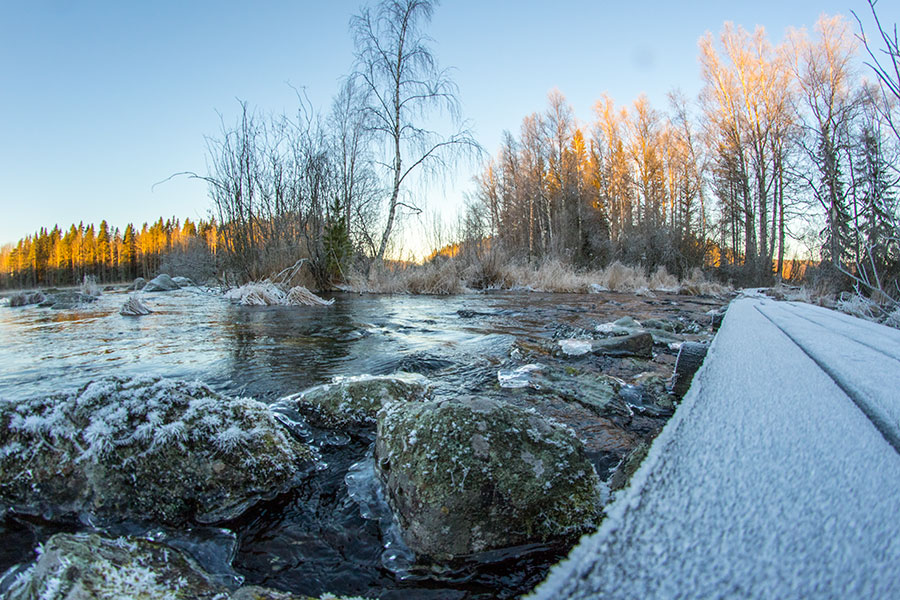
(573, 347)
(519, 377)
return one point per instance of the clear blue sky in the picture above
(100, 100)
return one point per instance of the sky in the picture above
(99, 101)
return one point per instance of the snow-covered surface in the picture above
(769, 481)
(862, 357)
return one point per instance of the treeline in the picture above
(789, 139)
(58, 257)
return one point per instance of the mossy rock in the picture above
(92, 567)
(164, 450)
(355, 401)
(471, 475)
(88, 566)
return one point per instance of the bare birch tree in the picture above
(405, 88)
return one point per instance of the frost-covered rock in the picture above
(88, 566)
(138, 284)
(66, 300)
(91, 567)
(183, 281)
(355, 401)
(26, 298)
(134, 308)
(165, 450)
(161, 283)
(471, 475)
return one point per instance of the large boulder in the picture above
(92, 567)
(164, 450)
(355, 401)
(138, 284)
(472, 475)
(161, 283)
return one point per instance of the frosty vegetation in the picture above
(273, 294)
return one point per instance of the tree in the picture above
(404, 88)
(824, 73)
(886, 69)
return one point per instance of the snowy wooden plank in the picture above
(768, 482)
(851, 351)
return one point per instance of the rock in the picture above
(471, 475)
(355, 401)
(66, 300)
(664, 325)
(654, 393)
(26, 298)
(134, 308)
(161, 283)
(92, 567)
(619, 327)
(183, 281)
(88, 566)
(253, 592)
(663, 337)
(623, 474)
(597, 393)
(164, 450)
(138, 284)
(635, 344)
(627, 322)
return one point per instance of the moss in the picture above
(472, 475)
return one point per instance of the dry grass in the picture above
(449, 277)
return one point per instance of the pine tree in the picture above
(879, 205)
(336, 242)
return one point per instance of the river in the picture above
(331, 534)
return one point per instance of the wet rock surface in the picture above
(473, 475)
(164, 450)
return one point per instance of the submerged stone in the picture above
(164, 450)
(471, 475)
(355, 401)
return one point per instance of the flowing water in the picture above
(333, 533)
